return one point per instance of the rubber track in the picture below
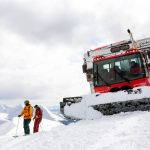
(123, 106)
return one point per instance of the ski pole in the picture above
(17, 127)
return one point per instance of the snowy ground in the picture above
(124, 131)
(119, 132)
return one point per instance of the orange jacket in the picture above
(27, 112)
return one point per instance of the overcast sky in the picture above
(42, 42)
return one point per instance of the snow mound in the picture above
(83, 110)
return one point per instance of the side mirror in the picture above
(84, 68)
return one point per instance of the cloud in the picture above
(42, 42)
(54, 23)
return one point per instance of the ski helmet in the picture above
(35, 106)
(26, 102)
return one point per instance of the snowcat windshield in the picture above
(119, 69)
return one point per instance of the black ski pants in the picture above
(26, 126)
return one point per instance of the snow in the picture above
(83, 110)
(96, 132)
(119, 132)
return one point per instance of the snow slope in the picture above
(124, 131)
(11, 125)
(118, 132)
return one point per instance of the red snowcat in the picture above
(119, 66)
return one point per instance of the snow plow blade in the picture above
(123, 106)
(69, 101)
(123, 101)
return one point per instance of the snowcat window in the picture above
(106, 66)
(118, 69)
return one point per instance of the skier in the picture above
(37, 118)
(27, 114)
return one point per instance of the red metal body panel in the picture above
(132, 84)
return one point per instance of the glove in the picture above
(19, 115)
